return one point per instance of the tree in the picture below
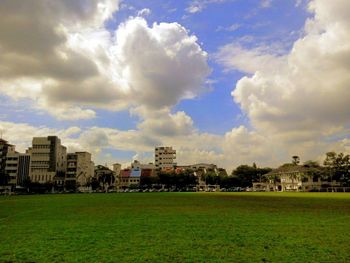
(315, 170)
(246, 174)
(296, 160)
(338, 167)
(210, 178)
(94, 183)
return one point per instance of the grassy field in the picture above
(176, 227)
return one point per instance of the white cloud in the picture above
(70, 64)
(266, 3)
(298, 100)
(144, 12)
(262, 58)
(230, 28)
(197, 6)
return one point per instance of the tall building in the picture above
(23, 172)
(11, 167)
(17, 168)
(80, 168)
(48, 160)
(5, 148)
(164, 157)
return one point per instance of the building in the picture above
(105, 177)
(117, 167)
(5, 148)
(164, 158)
(135, 177)
(129, 177)
(291, 177)
(48, 160)
(80, 169)
(203, 166)
(17, 169)
(123, 179)
(137, 165)
(23, 173)
(11, 168)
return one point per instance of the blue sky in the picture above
(245, 87)
(271, 24)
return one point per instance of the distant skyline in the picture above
(222, 81)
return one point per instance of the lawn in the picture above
(176, 227)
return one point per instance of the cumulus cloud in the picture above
(59, 54)
(169, 65)
(297, 101)
(300, 98)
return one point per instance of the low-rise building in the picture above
(105, 176)
(135, 177)
(129, 178)
(137, 165)
(117, 167)
(292, 177)
(123, 179)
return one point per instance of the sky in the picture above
(228, 82)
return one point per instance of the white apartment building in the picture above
(5, 148)
(48, 160)
(80, 168)
(17, 168)
(164, 157)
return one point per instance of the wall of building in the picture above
(164, 157)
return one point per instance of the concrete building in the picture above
(203, 166)
(137, 165)
(164, 158)
(17, 168)
(48, 160)
(23, 173)
(105, 176)
(117, 167)
(11, 168)
(123, 179)
(5, 148)
(129, 177)
(80, 169)
(293, 178)
(135, 177)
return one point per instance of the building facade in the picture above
(164, 158)
(105, 176)
(48, 160)
(80, 169)
(137, 165)
(5, 148)
(17, 169)
(117, 167)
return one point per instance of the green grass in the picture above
(176, 227)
